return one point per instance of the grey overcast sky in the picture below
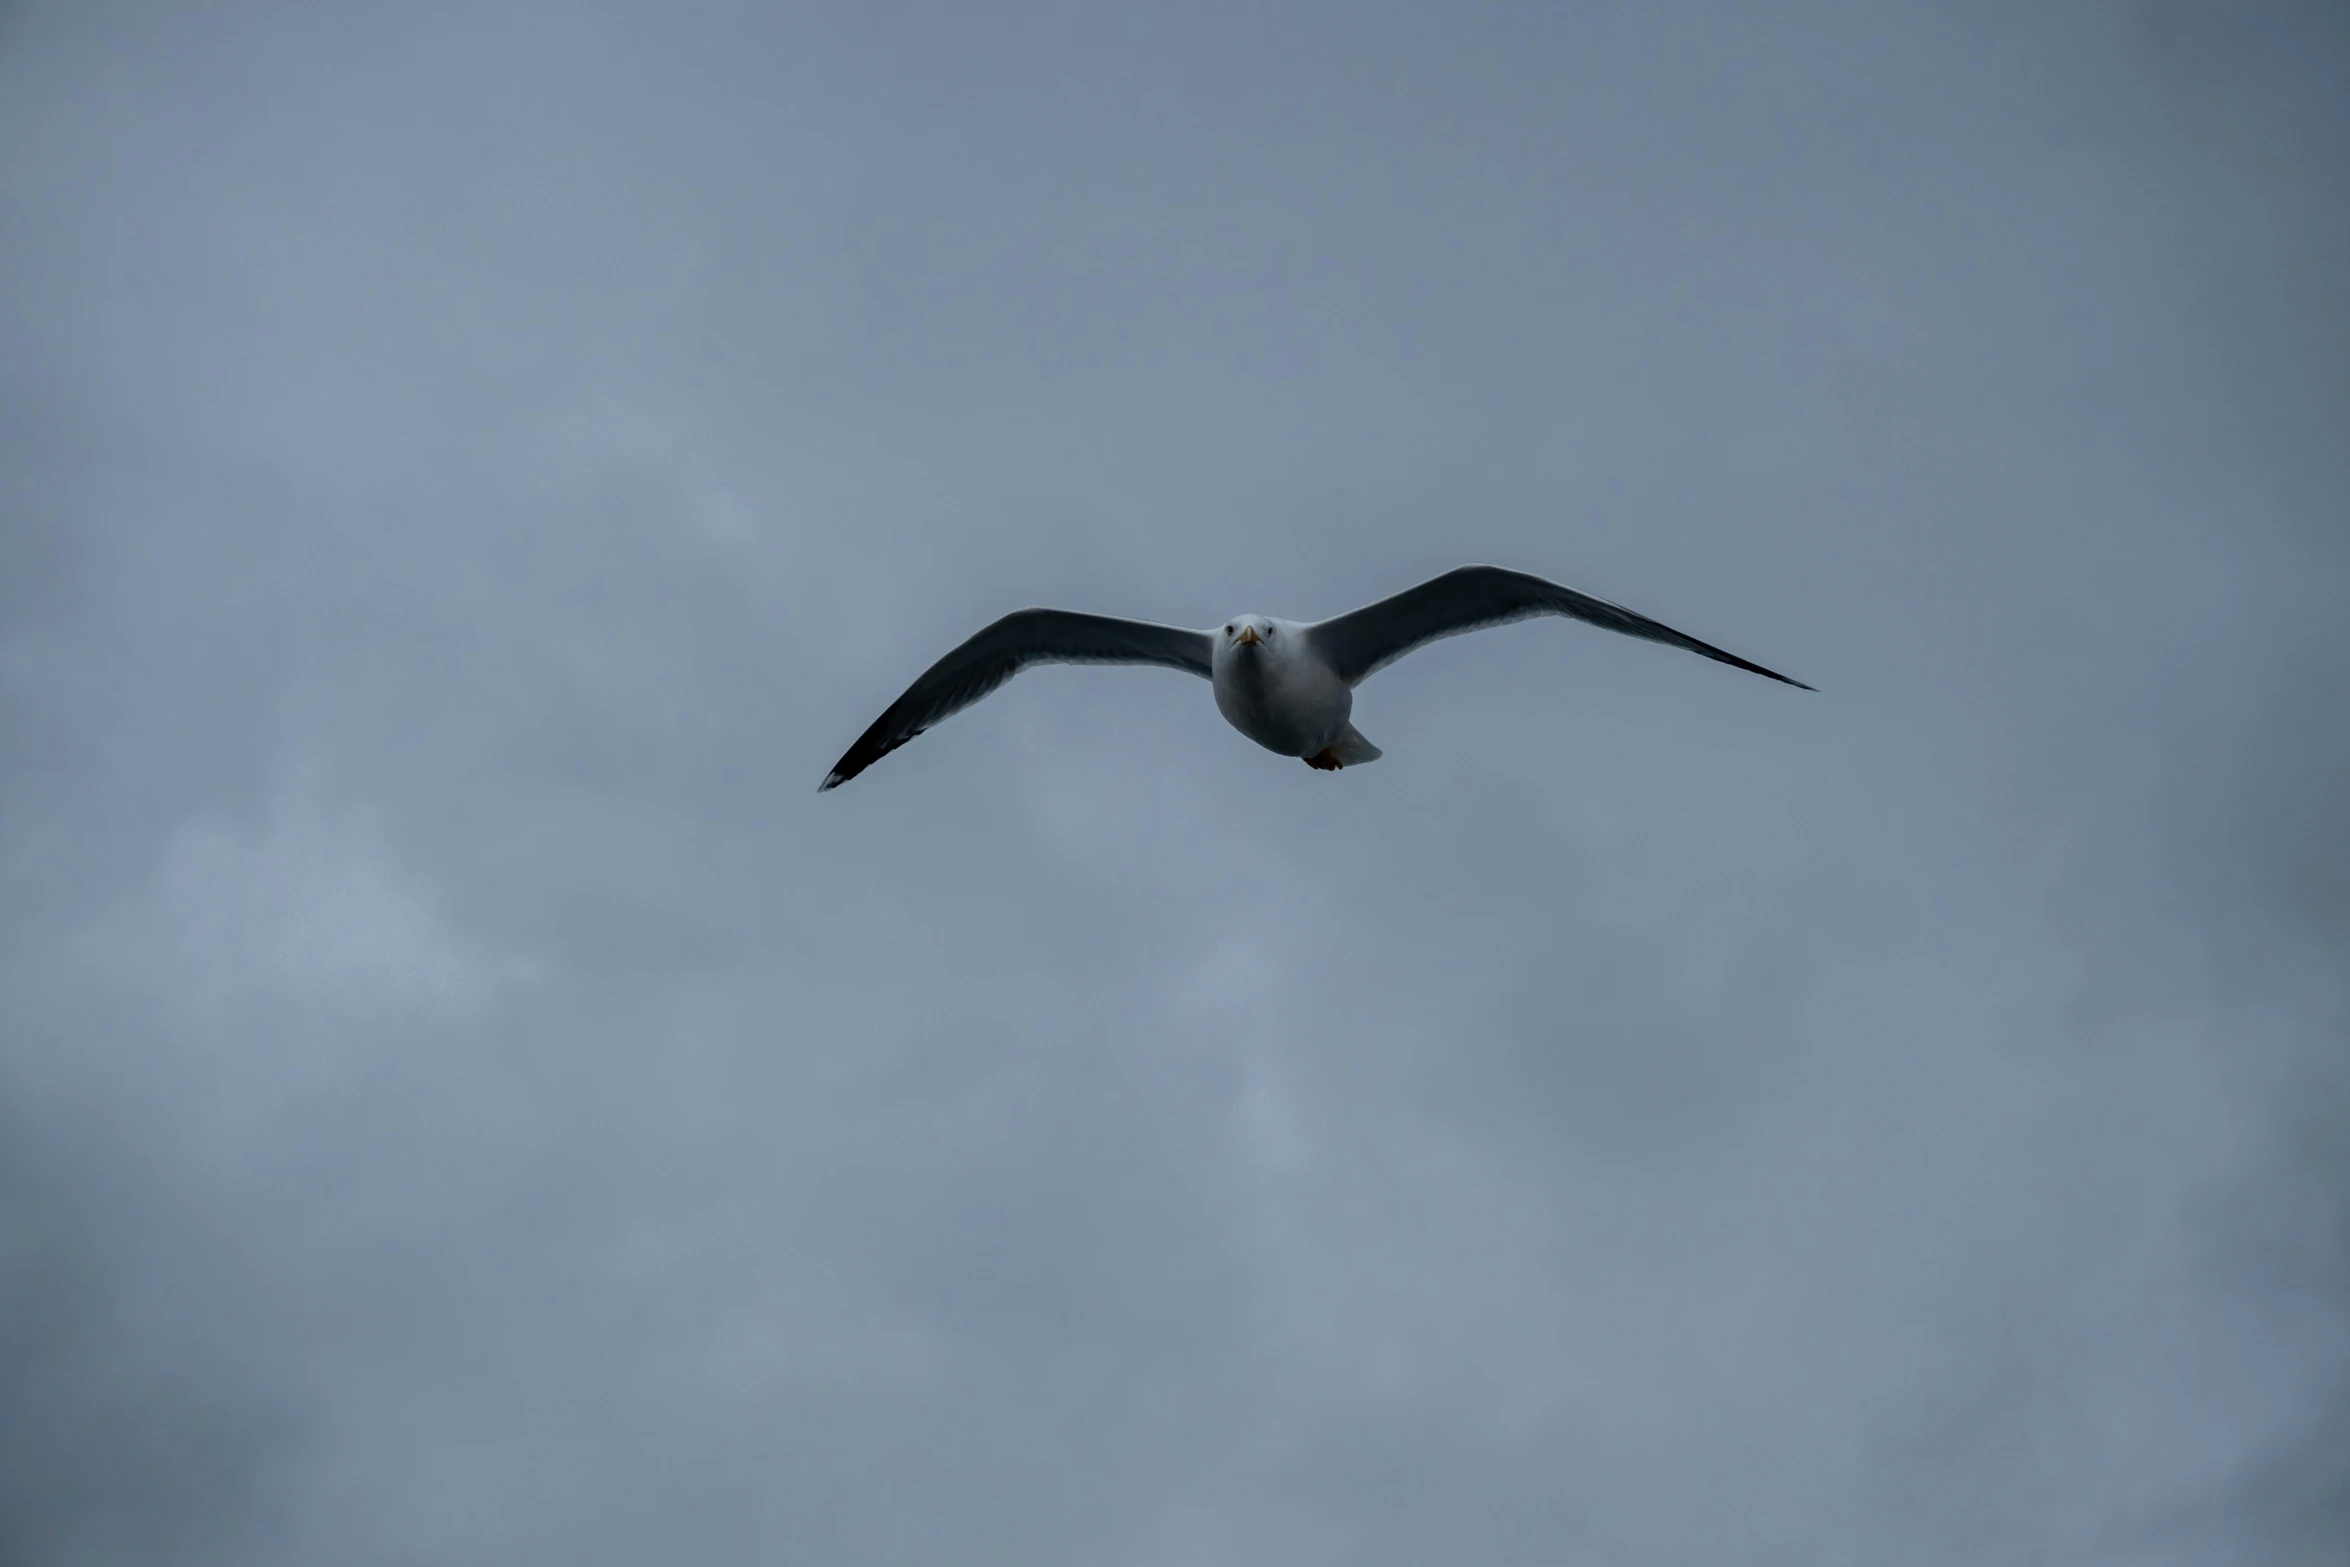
(467, 469)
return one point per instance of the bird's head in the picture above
(1249, 631)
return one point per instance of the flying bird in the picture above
(1287, 685)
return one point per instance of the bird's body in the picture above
(1272, 689)
(1288, 685)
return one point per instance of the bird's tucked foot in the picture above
(1325, 760)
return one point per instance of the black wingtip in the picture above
(832, 780)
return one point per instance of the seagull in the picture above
(1287, 685)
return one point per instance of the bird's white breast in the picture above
(1279, 695)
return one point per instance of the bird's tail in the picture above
(1352, 750)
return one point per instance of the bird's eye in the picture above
(1227, 631)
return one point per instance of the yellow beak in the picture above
(1248, 636)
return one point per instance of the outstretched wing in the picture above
(1365, 641)
(995, 655)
